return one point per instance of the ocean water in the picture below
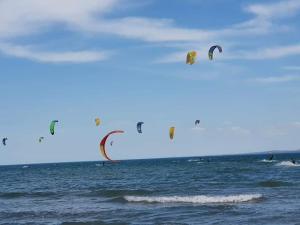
(196, 190)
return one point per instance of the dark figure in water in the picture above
(271, 158)
(103, 163)
(293, 161)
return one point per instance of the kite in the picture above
(171, 132)
(139, 127)
(4, 141)
(40, 139)
(103, 141)
(212, 49)
(191, 57)
(52, 126)
(97, 121)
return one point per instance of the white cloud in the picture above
(276, 79)
(147, 29)
(260, 24)
(274, 52)
(26, 17)
(172, 57)
(30, 16)
(27, 52)
(275, 10)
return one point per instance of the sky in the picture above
(124, 61)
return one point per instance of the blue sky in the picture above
(124, 61)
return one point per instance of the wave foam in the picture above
(200, 199)
(287, 163)
(268, 161)
(193, 160)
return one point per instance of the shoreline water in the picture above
(159, 158)
(226, 190)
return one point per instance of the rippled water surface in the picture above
(194, 190)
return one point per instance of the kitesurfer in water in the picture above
(271, 158)
(293, 161)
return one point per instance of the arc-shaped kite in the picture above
(212, 49)
(4, 141)
(40, 139)
(102, 144)
(52, 126)
(139, 127)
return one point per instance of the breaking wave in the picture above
(198, 199)
(287, 163)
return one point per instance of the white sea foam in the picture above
(287, 163)
(193, 160)
(268, 161)
(24, 167)
(196, 199)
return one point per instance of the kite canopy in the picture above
(97, 121)
(191, 57)
(197, 122)
(172, 132)
(40, 139)
(103, 141)
(52, 126)
(212, 49)
(139, 127)
(4, 141)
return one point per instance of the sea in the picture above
(240, 189)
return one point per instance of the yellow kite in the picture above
(191, 57)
